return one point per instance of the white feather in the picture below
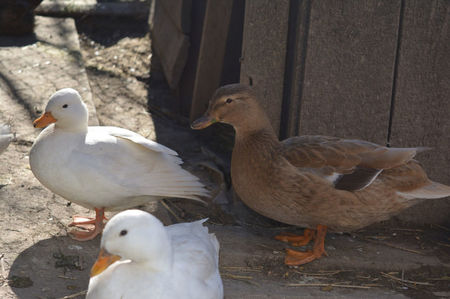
(5, 137)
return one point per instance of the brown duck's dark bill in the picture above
(203, 122)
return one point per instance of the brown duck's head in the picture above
(233, 104)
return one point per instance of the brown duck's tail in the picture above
(429, 191)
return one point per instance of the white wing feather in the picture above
(5, 136)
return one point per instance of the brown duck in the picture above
(316, 182)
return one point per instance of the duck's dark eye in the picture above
(228, 101)
(123, 232)
(65, 106)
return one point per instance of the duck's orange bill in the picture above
(103, 261)
(43, 121)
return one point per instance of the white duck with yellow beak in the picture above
(101, 167)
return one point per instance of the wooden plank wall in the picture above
(371, 69)
(264, 52)
(349, 69)
(422, 96)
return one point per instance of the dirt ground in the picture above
(39, 260)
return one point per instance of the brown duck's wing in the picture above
(349, 164)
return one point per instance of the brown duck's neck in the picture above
(257, 140)
(255, 125)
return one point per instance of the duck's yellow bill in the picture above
(103, 261)
(43, 121)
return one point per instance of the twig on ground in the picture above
(66, 277)
(74, 295)
(323, 273)
(374, 285)
(241, 269)
(440, 278)
(165, 205)
(443, 244)
(247, 279)
(394, 246)
(238, 277)
(408, 229)
(333, 285)
(405, 280)
(441, 227)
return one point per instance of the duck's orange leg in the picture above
(87, 223)
(295, 258)
(297, 240)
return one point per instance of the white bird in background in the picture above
(140, 258)
(5, 137)
(103, 167)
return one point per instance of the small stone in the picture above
(75, 247)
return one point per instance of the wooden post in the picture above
(211, 55)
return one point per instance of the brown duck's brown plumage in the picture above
(315, 180)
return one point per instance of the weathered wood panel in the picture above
(186, 85)
(349, 69)
(180, 13)
(264, 52)
(170, 44)
(422, 101)
(211, 55)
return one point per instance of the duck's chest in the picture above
(49, 157)
(252, 172)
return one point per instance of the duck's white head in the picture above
(66, 109)
(137, 236)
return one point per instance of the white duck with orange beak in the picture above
(141, 258)
(100, 167)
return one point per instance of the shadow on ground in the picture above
(53, 268)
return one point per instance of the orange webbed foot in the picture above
(93, 226)
(85, 235)
(295, 258)
(297, 240)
